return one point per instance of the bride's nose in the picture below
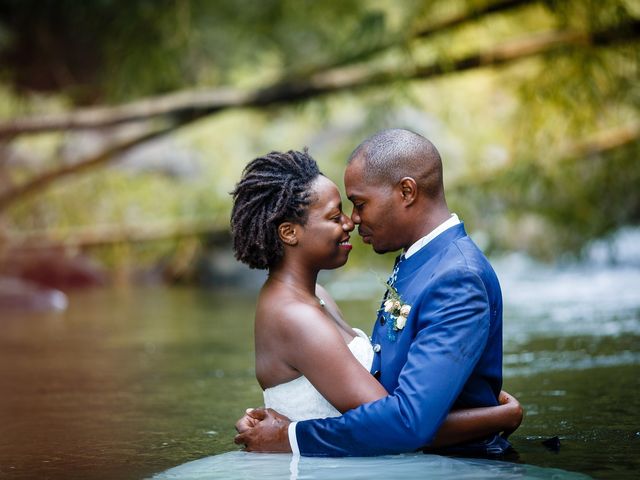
(347, 223)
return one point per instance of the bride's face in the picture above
(324, 239)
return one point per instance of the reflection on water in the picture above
(240, 465)
(129, 383)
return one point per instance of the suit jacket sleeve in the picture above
(453, 325)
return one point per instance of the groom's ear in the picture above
(287, 233)
(408, 190)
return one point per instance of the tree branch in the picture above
(601, 142)
(185, 107)
(421, 33)
(99, 236)
(92, 237)
(43, 180)
(213, 100)
(200, 103)
(183, 103)
(604, 141)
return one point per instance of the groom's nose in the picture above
(355, 218)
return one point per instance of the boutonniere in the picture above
(397, 310)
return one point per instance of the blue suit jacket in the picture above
(448, 354)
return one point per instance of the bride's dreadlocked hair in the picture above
(273, 189)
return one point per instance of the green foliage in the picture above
(77, 47)
(506, 134)
(120, 49)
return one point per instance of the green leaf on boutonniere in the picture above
(396, 308)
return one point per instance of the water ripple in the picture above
(530, 363)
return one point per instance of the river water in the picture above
(127, 383)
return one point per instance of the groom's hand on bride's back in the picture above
(263, 430)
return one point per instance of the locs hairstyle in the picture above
(273, 189)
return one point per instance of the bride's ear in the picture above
(287, 233)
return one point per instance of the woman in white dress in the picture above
(287, 218)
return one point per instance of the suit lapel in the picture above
(430, 251)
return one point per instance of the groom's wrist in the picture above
(293, 441)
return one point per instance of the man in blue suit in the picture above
(440, 346)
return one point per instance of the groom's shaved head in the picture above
(390, 155)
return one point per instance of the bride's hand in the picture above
(246, 422)
(516, 412)
(263, 430)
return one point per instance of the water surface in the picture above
(128, 383)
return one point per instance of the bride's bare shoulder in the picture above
(322, 293)
(285, 316)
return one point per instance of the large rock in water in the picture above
(54, 269)
(18, 294)
(37, 281)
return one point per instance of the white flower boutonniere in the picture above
(394, 306)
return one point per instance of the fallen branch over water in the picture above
(203, 102)
(104, 235)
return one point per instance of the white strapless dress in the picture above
(299, 400)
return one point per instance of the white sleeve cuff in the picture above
(293, 441)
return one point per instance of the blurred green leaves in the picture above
(508, 132)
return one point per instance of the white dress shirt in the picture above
(452, 221)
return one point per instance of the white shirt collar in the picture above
(452, 221)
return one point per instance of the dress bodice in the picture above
(298, 399)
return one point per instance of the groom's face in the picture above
(375, 210)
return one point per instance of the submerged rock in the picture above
(18, 294)
(552, 444)
(55, 269)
